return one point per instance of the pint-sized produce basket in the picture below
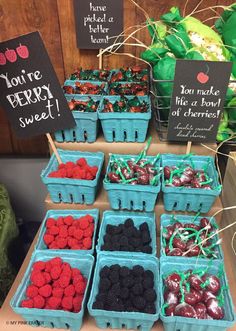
(190, 199)
(69, 190)
(168, 220)
(58, 319)
(119, 217)
(41, 246)
(129, 88)
(178, 323)
(124, 126)
(144, 72)
(120, 320)
(86, 123)
(72, 83)
(132, 197)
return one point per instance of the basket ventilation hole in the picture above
(125, 135)
(60, 197)
(138, 327)
(175, 205)
(71, 198)
(136, 135)
(123, 326)
(131, 204)
(119, 203)
(85, 135)
(37, 323)
(67, 326)
(144, 205)
(108, 324)
(52, 325)
(82, 198)
(63, 135)
(113, 135)
(74, 135)
(200, 206)
(187, 206)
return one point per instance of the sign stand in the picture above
(188, 149)
(51, 142)
(100, 65)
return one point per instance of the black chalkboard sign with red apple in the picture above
(30, 91)
(197, 100)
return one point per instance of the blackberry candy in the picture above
(110, 229)
(107, 238)
(104, 272)
(124, 241)
(124, 293)
(144, 227)
(104, 284)
(150, 295)
(139, 303)
(137, 289)
(146, 238)
(98, 305)
(147, 249)
(114, 276)
(138, 270)
(150, 309)
(124, 271)
(148, 283)
(128, 223)
(115, 267)
(128, 281)
(135, 242)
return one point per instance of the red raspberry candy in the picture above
(47, 277)
(89, 176)
(53, 174)
(50, 222)
(48, 266)
(63, 231)
(71, 230)
(81, 162)
(56, 271)
(75, 272)
(45, 291)
(69, 172)
(80, 287)
(39, 302)
(62, 173)
(77, 302)
(78, 279)
(68, 220)
(54, 302)
(57, 292)
(48, 238)
(56, 284)
(72, 242)
(53, 245)
(61, 242)
(88, 233)
(54, 230)
(64, 281)
(67, 303)
(89, 218)
(78, 234)
(75, 247)
(32, 291)
(60, 221)
(69, 291)
(87, 242)
(66, 268)
(61, 166)
(56, 261)
(84, 223)
(38, 279)
(39, 266)
(69, 165)
(27, 303)
(91, 226)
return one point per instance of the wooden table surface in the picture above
(9, 321)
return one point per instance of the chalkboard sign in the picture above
(197, 100)
(30, 91)
(97, 21)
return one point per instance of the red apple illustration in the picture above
(23, 51)
(3, 60)
(202, 78)
(11, 55)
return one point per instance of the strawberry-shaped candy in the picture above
(22, 51)
(126, 173)
(178, 243)
(190, 297)
(171, 297)
(172, 282)
(176, 182)
(195, 282)
(212, 282)
(167, 233)
(177, 225)
(189, 172)
(201, 310)
(11, 55)
(192, 226)
(194, 250)
(169, 311)
(175, 252)
(143, 179)
(207, 295)
(113, 177)
(167, 172)
(3, 60)
(185, 310)
(214, 310)
(204, 222)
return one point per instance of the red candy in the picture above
(80, 287)
(39, 302)
(27, 303)
(64, 281)
(55, 272)
(57, 292)
(67, 303)
(54, 302)
(69, 291)
(39, 265)
(38, 278)
(32, 291)
(45, 291)
(69, 233)
(78, 170)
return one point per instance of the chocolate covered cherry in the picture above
(178, 243)
(201, 310)
(213, 283)
(171, 297)
(167, 172)
(214, 310)
(113, 177)
(195, 282)
(207, 295)
(143, 179)
(175, 252)
(169, 311)
(167, 233)
(172, 282)
(185, 310)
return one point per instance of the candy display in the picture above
(126, 237)
(128, 88)
(55, 285)
(126, 289)
(84, 87)
(89, 105)
(69, 233)
(186, 238)
(132, 74)
(89, 74)
(76, 170)
(124, 105)
(193, 294)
